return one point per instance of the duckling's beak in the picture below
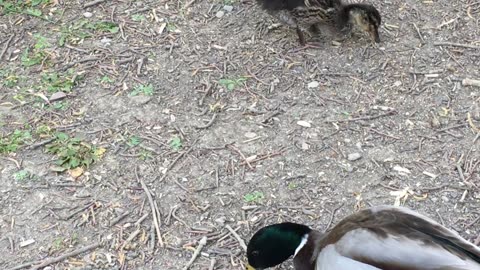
(374, 34)
(249, 267)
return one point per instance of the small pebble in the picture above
(313, 84)
(305, 146)
(87, 14)
(228, 8)
(354, 156)
(106, 41)
(304, 123)
(220, 14)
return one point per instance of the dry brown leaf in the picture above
(75, 173)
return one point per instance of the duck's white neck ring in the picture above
(302, 244)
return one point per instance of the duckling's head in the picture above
(365, 17)
(274, 244)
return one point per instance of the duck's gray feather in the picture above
(393, 238)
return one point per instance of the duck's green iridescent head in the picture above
(274, 244)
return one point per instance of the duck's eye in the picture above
(255, 253)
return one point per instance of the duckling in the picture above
(311, 15)
(379, 238)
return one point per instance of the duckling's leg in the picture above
(301, 36)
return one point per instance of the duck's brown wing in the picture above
(394, 238)
(313, 15)
(326, 4)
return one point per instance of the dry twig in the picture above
(5, 48)
(332, 217)
(209, 124)
(176, 160)
(200, 246)
(241, 154)
(93, 3)
(152, 207)
(42, 264)
(363, 118)
(239, 239)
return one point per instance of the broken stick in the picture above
(200, 246)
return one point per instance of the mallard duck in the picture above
(312, 15)
(379, 238)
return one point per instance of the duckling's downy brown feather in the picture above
(387, 238)
(307, 15)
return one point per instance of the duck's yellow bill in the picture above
(249, 267)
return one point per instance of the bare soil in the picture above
(238, 128)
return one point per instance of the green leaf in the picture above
(34, 12)
(74, 162)
(138, 17)
(21, 175)
(255, 196)
(176, 143)
(134, 141)
(61, 136)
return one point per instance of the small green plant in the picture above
(145, 155)
(171, 27)
(8, 79)
(12, 142)
(57, 244)
(61, 105)
(21, 175)
(74, 33)
(292, 185)
(176, 143)
(106, 80)
(138, 17)
(73, 152)
(54, 82)
(146, 90)
(106, 27)
(133, 141)
(255, 196)
(26, 7)
(231, 84)
(38, 53)
(43, 131)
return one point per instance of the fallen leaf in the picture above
(401, 195)
(100, 151)
(77, 172)
(57, 96)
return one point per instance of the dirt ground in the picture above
(226, 127)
